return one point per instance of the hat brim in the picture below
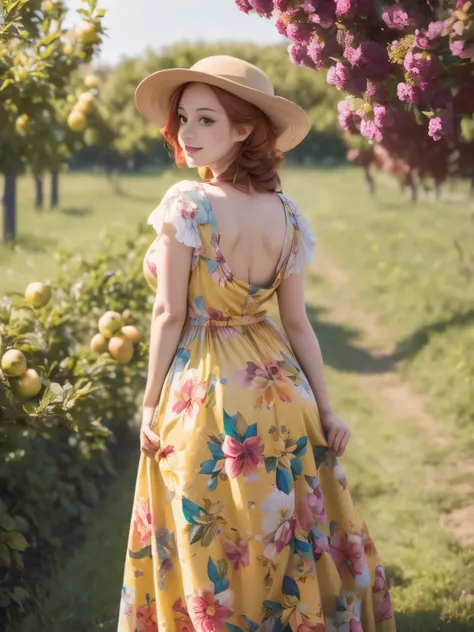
(153, 95)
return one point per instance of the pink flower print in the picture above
(183, 623)
(210, 611)
(268, 380)
(190, 395)
(237, 552)
(146, 619)
(242, 457)
(279, 523)
(310, 512)
(349, 551)
(307, 627)
(320, 544)
(142, 521)
(383, 609)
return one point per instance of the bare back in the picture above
(252, 231)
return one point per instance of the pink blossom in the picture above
(280, 27)
(422, 65)
(264, 7)
(377, 92)
(441, 127)
(211, 611)
(323, 13)
(299, 54)
(242, 457)
(345, 78)
(348, 119)
(348, 9)
(244, 5)
(280, 5)
(426, 37)
(396, 17)
(300, 33)
(321, 50)
(371, 58)
(369, 130)
(383, 116)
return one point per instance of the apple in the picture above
(121, 349)
(48, 6)
(126, 314)
(87, 33)
(23, 124)
(99, 343)
(38, 294)
(85, 103)
(26, 386)
(110, 323)
(13, 363)
(131, 333)
(76, 121)
(68, 49)
(91, 81)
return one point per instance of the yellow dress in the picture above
(242, 522)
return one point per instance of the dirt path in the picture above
(406, 404)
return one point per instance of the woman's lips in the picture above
(191, 150)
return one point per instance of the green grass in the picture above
(401, 482)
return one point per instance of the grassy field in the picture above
(389, 303)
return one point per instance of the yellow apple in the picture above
(121, 349)
(13, 363)
(26, 386)
(38, 294)
(76, 121)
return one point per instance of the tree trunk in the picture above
(437, 190)
(39, 195)
(369, 179)
(9, 208)
(54, 189)
(471, 191)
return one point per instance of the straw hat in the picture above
(234, 75)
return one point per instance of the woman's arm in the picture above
(169, 310)
(303, 340)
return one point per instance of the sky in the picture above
(135, 25)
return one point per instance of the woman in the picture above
(242, 517)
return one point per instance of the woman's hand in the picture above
(337, 434)
(149, 440)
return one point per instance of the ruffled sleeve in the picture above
(182, 207)
(303, 243)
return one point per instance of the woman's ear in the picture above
(242, 133)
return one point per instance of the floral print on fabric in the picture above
(242, 522)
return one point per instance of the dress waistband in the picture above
(229, 321)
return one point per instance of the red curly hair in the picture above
(256, 160)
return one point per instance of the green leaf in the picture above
(100, 13)
(15, 541)
(19, 595)
(6, 83)
(4, 555)
(141, 554)
(6, 522)
(270, 463)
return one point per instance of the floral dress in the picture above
(242, 521)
